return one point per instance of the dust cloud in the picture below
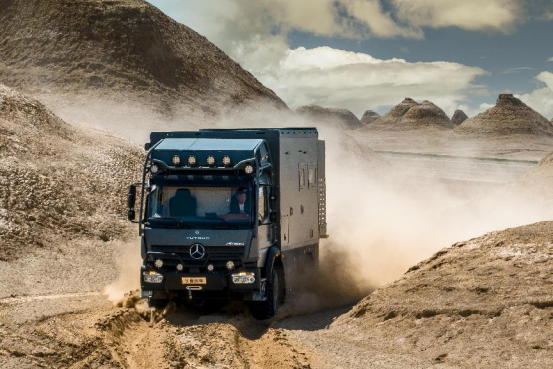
(381, 218)
(387, 221)
(122, 291)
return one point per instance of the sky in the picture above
(370, 54)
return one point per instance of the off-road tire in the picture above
(158, 303)
(267, 309)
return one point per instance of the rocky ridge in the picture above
(58, 181)
(342, 118)
(459, 117)
(369, 116)
(120, 49)
(409, 115)
(487, 302)
(509, 116)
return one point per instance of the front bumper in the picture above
(214, 281)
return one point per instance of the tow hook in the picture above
(190, 289)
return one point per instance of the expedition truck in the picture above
(230, 214)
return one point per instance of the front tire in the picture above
(267, 309)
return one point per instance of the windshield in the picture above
(200, 205)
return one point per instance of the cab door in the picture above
(264, 226)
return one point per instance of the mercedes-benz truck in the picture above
(230, 214)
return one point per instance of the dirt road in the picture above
(83, 330)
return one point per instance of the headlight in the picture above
(191, 160)
(152, 276)
(176, 160)
(210, 160)
(243, 278)
(230, 265)
(248, 169)
(159, 263)
(210, 268)
(154, 169)
(180, 267)
(226, 160)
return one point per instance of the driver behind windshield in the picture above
(240, 204)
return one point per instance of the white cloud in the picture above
(476, 15)
(541, 99)
(516, 70)
(222, 21)
(255, 34)
(357, 81)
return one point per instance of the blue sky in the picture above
(369, 54)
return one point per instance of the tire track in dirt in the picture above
(25, 299)
(106, 336)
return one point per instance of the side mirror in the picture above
(131, 199)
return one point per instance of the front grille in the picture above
(216, 255)
(210, 250)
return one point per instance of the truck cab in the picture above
(229, 214)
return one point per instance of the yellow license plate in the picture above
(196, 280)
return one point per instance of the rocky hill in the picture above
(487, 302)
(459, 117)
(369, 117)
(124, 49)
(58, 182)
(409, 115)
(509, 116)
(342, 118)
(540, 179)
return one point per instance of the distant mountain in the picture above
(459, 117)
(508, 117)
(409, 115)
(110, 48)
(369, 117)
(336, 117)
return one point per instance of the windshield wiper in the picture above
(225, 222)
(176, 220)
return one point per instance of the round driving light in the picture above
(210, 268)
(154, 169)
(159, 263)
(210, 160)
(230, 265)
(176, 160)
(226, 160)
(248, 169)
(191, 160)
(180, 267)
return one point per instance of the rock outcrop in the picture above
(341, 118)
(509, 116)
(119, 47)
(485, 302)
(58, 182)
(459, 117)
(409, 115)
(369, 117)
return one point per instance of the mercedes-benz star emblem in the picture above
(197, 251)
